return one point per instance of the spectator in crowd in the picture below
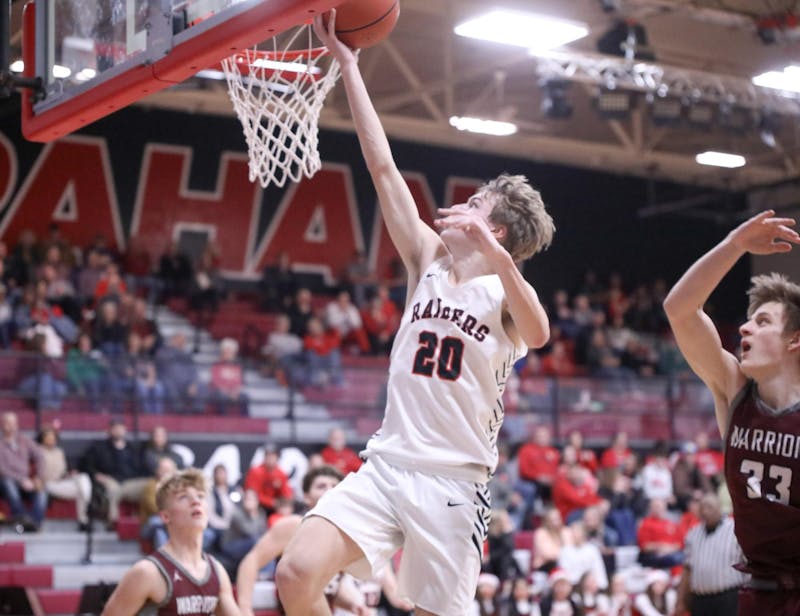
(21, 474)
(322, 353)
(175, 272)
(487, 596)
(152, 527)
(183, 388)
(23, 260)
(538, 466)
(381, 320)
(686, 476)
(589, 598)
(109, 333)
(343, 316)
(141, 324)
(90, 275)
(59, 480)
(709, 461)
(85, 370)
(616, 455)
(338, 454)
(585, 457)
(601, 534)
(227, 380)
(113, 463)
(562, 317)
(573, 491)
(548, 541)
(581, 556)
(601, 359)
(502, 487)
(656, 478)
(709, 583)
(660, 543)
(220, 508)
(45, 384)
(139, 376)
(658, 599)
(520, 602)
(616, 488)
(206, 288)
(621, 602)
(282, 354)
(691, 517)
(267, 480)
(300, 311)
(59, 289)
(558, 601)
(501, 547)
(278, 285)
(359, 279)
(248, 523)
(558, 362)
(111, 286)
(157, 447)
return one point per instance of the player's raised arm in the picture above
(139, 584)
(694, 331)
(416, 242)
(227, 604)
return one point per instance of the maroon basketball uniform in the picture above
(186, 595)
(762, 468)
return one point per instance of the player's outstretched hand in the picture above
(764, 234)
(325, 29)
(474, 227)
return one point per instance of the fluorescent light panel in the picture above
(289, 67)
(787, 80)
(721, 159)
(528, 30)
(485, 127)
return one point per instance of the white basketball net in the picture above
(278, 97)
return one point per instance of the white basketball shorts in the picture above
(440, 523)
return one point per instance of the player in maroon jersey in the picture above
(757, 402)
(178, 579)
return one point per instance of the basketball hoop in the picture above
(278, 96)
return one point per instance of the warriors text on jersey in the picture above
(449, 365)
(186, 596)
(762, 469)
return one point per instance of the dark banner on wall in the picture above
(144, 178)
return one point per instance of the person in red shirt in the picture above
(710, 462)
(659, 538)
(585, 457)
(691, 517)
(538, 465)
(381, 320)
(268, 481)
(322, 354)
(573, 491)
(616, 455)
(558, 361)
(227, 379)
(338, 455)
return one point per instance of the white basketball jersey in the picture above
(450, 361)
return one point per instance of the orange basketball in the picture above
(364, 23)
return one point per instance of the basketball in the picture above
(364, 23)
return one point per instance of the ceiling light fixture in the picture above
(721, 159)
(534, 32)
(485, 127)
(787, 80)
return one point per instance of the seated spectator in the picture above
(709, 461)
(138, 375)
(206, 288)
(655, 477)
(601, 359)
(620, 600)
(359, 279)
(21, 474)
(267, 480)
(300, 311)
(660, 543)
(562, 317)
(152, 526)
(89, 275)
(45, 384)
(548, 541)
(220, 508)
(322, 355)
(585, 457)
(59, 480)
(616, 455)
(157, 447)
(283, 351)
(227, 380)
(337, 454)
(113, 463)
(111, 286)
(658, 599)
(617, 489)
(589, 598)
(573, 491)
(343, 316)
(581, 556)
(687, 479)
(108, 332)
(502, 487)
(691, 517)
(501, 547)
(284, 507)
(600, 534)
(538, 465)
(59, 289)
(557, 601)
(174, 272)
(85, 371)
(278, 285)
(248, 523)
(520, 602)
(381, 320)
(146, 328)
(487, 599)
(182, 385)
(558, 361)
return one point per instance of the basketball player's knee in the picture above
(295, 574)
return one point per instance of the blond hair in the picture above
(520, 209)
(776, 288)
(189, 478)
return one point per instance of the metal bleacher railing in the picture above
(647, 409)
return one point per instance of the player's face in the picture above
(319, 486)
(480, 204)
(763, 343)
(188, 508)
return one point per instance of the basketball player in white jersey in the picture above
(470, 315)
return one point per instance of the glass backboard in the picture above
(97, 56)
